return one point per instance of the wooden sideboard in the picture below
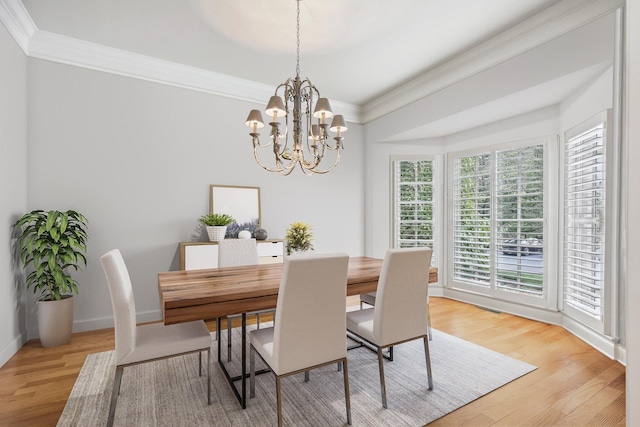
(201, 255)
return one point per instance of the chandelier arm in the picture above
(287, 172)
(285, 139)
(313, 170)
(306, 171)
(283, 85)
(323, 171)
(255, 154)
(276, 136)
(256, 141)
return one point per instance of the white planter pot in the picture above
(55, 321)
(216, 232)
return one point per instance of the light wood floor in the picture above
(574, 384)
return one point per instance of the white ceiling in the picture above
(353, 51)
(357, 52)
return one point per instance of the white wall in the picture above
(594, 98)
(533, 75)
(137, 159)
(13, 188)
(632, 159)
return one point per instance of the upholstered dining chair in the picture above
(305, 336)
(400, 311)
(370, 299)
(235, 253)
(146, 343)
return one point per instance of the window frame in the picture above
(548, 298)
(611, 223)
(437, 259)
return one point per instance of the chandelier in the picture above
(299, 104)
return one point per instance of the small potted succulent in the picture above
(216, 225)
(299, 238)
(52, 243)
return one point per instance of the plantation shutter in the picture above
(520, 219)
(414, 204)
(584, 233)
(471, 204)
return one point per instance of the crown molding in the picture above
(67, 50)
(546, 25)
(18, 22)
(79, 53)
(560, 18)
(71, 51)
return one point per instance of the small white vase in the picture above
(55, 321)
(216, 232)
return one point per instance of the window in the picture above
(586, 212)
(472, 219)
(497, 207)
(413, 203)
(520, 219)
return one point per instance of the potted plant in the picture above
(216, 225)
(51, 243)
(299, 237)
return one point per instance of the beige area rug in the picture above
(170, 392)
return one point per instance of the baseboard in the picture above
(103, 323)
(12, 348)
(483, 301)
(603, 344)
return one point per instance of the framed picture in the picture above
(242, 203)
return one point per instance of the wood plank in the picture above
(26, 401)
(219, 292)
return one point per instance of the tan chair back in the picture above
(400, 311)
(124, 308)
(310, 323)
(237, 252)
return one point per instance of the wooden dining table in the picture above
(219, 292)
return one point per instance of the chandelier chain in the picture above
(298, 39)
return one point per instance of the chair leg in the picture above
(306, 376)
(429, 323)
(200, 363)
(209, 376)
(252, 372)
(383, 388)
(279, 401)
(228, 339)
(114, 395)
(258, 321)
(347, 394)
(427, 357)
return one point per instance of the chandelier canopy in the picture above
(298, 102)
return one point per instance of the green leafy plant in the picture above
(299, 237)
(52, 242)
(215, 219)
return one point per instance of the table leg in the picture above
(244, 360)
(218, 338)
(241, 394)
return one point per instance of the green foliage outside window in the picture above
(414, 203)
